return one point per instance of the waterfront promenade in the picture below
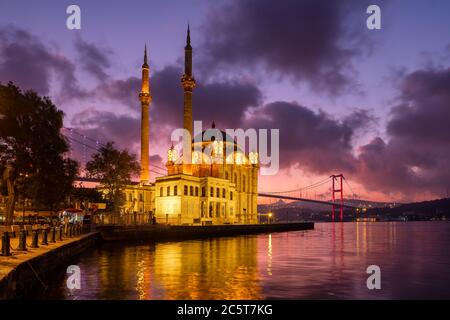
(8, 263)
(33, 265)
(23, 272)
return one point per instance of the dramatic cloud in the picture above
(416, 157)
(94, 59)
(92, 128)
(224, 101)
(28, 62)
(124, 91)
(108, 126)
(311, 140)
(306, 40)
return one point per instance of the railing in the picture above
(122, 219)
(18, 238)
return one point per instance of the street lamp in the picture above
(270, 216)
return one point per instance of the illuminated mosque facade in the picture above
(208, 188)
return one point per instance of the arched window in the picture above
(141, 197)
(226, 175)
(185, 190)
(211, 192)
(235, 178)
(243, 183)
(231, 195)
(203, 192)
(191, 191)
(175, 190)
(223, 193)
(168, 191)
(161, 192)
(218, 192)
(196, 191)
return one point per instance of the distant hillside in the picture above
(416, 211)
(299, 210)
(317, 207)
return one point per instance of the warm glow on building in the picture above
(214, 186)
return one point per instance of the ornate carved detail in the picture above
(145, 98)
(188, 82)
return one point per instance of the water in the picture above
(326, 263)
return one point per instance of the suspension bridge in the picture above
(334, 184)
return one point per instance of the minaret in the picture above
(188, 83)
(145, 98)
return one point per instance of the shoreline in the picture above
(25, 272)
(180, 233)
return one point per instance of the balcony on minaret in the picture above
(145, 98)
(188, 83)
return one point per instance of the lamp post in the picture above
(270, 217)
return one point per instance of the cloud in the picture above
(28, 62)
(313, 41)
(222, 101)
(91, 128)
(310, 140)
(125, 91)
(416, 156)
(93, 59)
(107, 126)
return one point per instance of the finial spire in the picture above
(145, 54)
(145, 65)
(213, 125)
(188, 38)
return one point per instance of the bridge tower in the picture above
(337, 188)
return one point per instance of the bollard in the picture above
(35, 241)
(23, 240)
(53, 235)
(44, 237)
(5, 245)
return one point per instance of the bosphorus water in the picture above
(329, 262)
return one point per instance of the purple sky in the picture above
(374, 105)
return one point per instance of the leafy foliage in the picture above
(114, 169)
(31, 142)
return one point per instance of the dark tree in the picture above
(86, 195)
(114, 169)
(32, 150)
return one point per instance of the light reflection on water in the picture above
(326, 263)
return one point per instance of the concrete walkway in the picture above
(8, 264)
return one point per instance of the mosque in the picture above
(212, 188)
